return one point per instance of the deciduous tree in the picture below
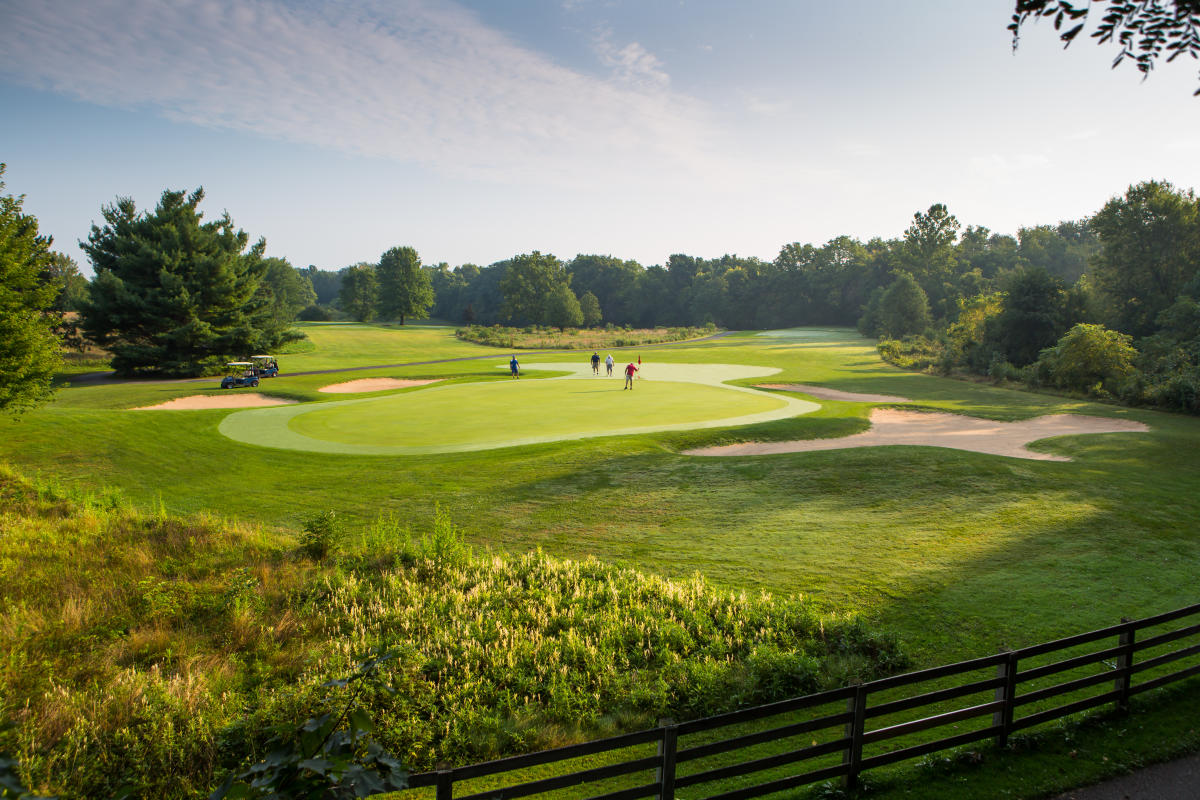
(903, 308)
(1151, 251)
(1143, 30)
(528, 283)
(360, 291)
(590, 307)
(562, 308)
(290, 290)
(1034, 315)
(405, 290)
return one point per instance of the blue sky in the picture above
(479, 129)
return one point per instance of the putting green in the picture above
(482, 416)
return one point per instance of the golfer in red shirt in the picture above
(629, 370)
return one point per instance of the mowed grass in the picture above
(339, 345)
(496, 413)
(959, 552)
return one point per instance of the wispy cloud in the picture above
(631, 65)
(412, 80)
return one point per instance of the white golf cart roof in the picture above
(262, 356)
(240, 364)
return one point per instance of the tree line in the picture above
(174, 294)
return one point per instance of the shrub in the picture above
(321, 535)
(445, 547)
(315, 313)
(1089, 358)
(913, 352)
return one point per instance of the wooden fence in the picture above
(1007, 692)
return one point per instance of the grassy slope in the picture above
(156, 650)
(958, 552)
(961, 552)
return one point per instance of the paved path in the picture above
(1174, 780)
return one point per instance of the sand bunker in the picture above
(373, 385)
(896, 427)
(200, 401)
(834, 394)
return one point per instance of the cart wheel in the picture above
(254, 384)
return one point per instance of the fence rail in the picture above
(1020, 689)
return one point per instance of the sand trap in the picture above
(199, 401)
(834, 394)
(896, 427)
(373, 385)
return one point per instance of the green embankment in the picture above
(154, 651)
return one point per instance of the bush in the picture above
(315, 313)
(913, 352)
(1089, 358)
(321, 535)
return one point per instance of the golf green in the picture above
(480, 416)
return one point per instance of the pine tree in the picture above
(29, 351)
(175, 295)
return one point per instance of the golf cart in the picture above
(268, 366)
(239, 374)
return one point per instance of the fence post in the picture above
(445, 781)
(1124, 665)
(856, 704)
(665, 773)
(1007, 693)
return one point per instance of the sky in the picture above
(480, 129)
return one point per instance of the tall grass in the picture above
(160, 652)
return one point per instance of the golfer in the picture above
(595, 363)
(608, 363)
(515, 367)
(629, 370)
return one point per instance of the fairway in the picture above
(481, 416)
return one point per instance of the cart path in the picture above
(1172, 780)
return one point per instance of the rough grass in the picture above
(540, 338)
(157, 651)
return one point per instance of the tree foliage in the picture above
(326, 283)
(1144, 30)
(176, 295)
(528, 284)
(332, 756)
(1151, 251)
(1089, 358)
(290, 290)
(1034, 315)
(405, 289)
(360, 291)
(29, 352)
(903, 308)
(72, 286)
(612, 280)
(562, 308)
(590, 306)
